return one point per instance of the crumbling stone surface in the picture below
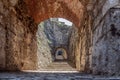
(105, 56)
(95, 47)
(58, 34)
(72, 10)
(106, 44)
(3, 24)
(18, 44)
(2, 47)
(44, 50)
(51, 35)
(73, 46)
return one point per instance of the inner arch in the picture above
(71, 10)
(61, 54)
(53, 38)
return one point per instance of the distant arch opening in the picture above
(61, 54)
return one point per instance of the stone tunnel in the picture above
(94, 44)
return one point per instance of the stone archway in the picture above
(18, 26)
(23, 18)
(61, 54)
(73, 10)
(41, 10)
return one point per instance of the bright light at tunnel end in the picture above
(65, 21)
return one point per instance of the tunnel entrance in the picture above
(23, 49)
(93, 46)
(60, 54)
(52, 40)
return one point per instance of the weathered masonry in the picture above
(94, 46)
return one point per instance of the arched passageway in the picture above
(61, 54)
(52, 41)
(94, 45)
(26, 15)
(42, 10)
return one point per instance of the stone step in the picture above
(59, 66)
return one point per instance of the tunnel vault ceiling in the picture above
(72, 10)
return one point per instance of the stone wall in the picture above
(73, 46)
(18, 45)
(72, 10)
(18, 37)
(43, 50)
(95, 46)
(80, 45)
(2, 44)
(85, 45)
(4, 18)
(51, 35)
(57, 33)
(105, 57)
(106, 44)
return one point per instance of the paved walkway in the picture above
(56, 71)
(51, 76)
(59, 66)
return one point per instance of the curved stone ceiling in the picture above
(72, 10)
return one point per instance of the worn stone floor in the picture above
(59, 65)
(51, 76)
(55, 71)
